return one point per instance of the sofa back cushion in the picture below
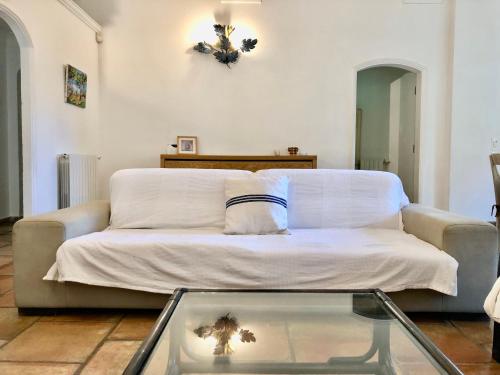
(169, 198)
(332, 198)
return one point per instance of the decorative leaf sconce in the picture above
(223, 330)
(223, 50)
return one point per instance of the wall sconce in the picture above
(223, 50)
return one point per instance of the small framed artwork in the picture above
(187, 145)
(75, 86)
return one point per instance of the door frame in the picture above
(8, 14)
(421, 73)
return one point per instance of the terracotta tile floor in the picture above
(103, 343)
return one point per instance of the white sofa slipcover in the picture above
(331, 251)
(169, 198)
(160, 261)
(332, 198)
(346, 235)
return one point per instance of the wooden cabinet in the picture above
(250, 163)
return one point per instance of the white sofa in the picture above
(165, 232)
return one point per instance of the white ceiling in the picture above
(100, 10)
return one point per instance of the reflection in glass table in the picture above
(286, 332)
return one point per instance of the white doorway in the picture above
(11, 189)
(387, 122)
(22, 91)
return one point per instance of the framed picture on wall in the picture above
(187, 145)
(75, 86)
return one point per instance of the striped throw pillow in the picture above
(256, 205)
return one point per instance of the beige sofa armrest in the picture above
(72, 222)
(35, 243)
(473, 243)
(442, 229)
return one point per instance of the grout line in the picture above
(20, 332)
(3, 294)
(61, 322)
(81, 320)
(8, 307)
(480, 344)
(8, 290)
(98, 347)
(127, 339)
(40, 362)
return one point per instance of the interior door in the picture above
(394, 125)
(359, 128)
(408, 111)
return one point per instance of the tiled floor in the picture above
(90, 343)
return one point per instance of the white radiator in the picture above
(373, 165)
(77, 175)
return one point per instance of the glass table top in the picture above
(209, 332)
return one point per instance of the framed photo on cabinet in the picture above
(187, 145)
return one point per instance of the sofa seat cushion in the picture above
(163, 260)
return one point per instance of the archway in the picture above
(25, 46)
(387, 117)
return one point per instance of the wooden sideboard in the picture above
(249, 163)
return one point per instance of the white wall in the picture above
(58, 38)
(476, 98)
(297, 88)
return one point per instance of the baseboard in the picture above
(422, 316)
(52, 311)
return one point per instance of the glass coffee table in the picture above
(286, 332)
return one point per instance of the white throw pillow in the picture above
(256, 205)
